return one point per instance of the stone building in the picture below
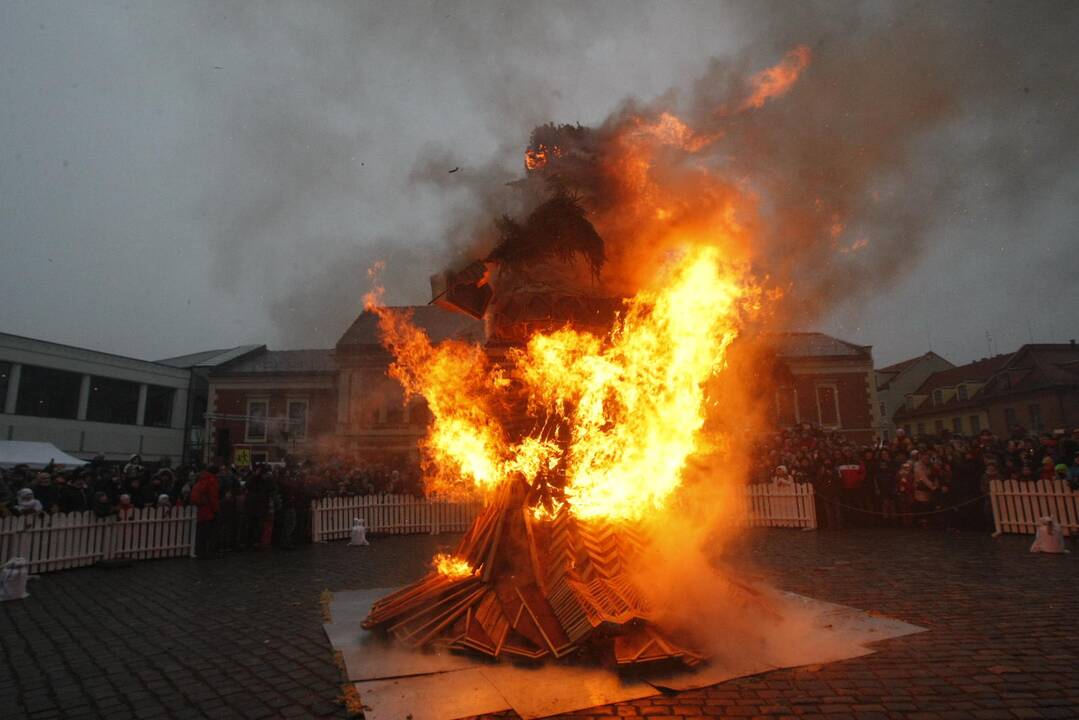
(895, 382)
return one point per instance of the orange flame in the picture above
(632, 403)
(777, 80)
(452, 567)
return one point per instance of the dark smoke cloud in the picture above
(862, 160)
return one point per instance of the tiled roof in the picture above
(209, 358)
(979, 371)
(815, 344)
(281, 361)
(439, 324)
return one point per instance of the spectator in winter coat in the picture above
(205, 496)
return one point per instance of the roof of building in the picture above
(979, 371)
(909, 362)
(281, 361)
(210, 358)
(1040, 365)
(891, 372)
(74, 352)
(815, 344)
(438, 323)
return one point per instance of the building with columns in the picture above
(88, 402)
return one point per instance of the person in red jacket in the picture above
(205, 496)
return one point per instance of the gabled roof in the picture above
(908, 363)
(1040, 365)
(886, 375)
(210, 358)
(439, 324)
(274, 362)
(979, 371)
(814, 344)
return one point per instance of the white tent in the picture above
(34, 454)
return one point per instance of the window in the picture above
(975, 424)
(962, 391)
(786, 406)
(1010, 420)
(5, 374)
(938, 397)
(938, 426)
(297, 419)
(158, 406)
(45, 392)
(1035, 418)
(883, 410)
(828, 406)
(113, 401)
(957, 426)
(257, 410)
(258, 458)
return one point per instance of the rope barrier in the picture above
(898, 513)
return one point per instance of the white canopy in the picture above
(34, 454)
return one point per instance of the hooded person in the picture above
(27, 504)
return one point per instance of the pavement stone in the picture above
(240, 635)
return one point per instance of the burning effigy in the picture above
(610, 307)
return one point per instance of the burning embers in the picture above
(610, 424)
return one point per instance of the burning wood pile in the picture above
(526, 588)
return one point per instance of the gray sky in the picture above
(176, 176)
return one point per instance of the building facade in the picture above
(1033, 390)
(265, 405)
(824, 381)
(87, 402)
(895, 382)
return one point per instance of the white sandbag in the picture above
(359, 532)
(13, 577)
(1048, 538)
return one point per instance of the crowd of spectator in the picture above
(939, 481)
(238, 508)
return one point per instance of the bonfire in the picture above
(610, 308)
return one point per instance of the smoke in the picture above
(828, 153)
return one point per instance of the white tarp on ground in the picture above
(431, 685)
(34, 454)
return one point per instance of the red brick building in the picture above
(269, 404)
(826, 382)
(372, 418)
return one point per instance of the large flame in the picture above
(621, 414)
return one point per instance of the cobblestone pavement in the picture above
(240, 635)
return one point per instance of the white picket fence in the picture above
(70, 540)
(778, 505)
(1017, 506)
(769, 505)
(331, 518)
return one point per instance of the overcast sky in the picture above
(179, 175)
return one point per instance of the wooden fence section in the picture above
(331, 518)
(1017, 506)
(70, 540)
(779, 505)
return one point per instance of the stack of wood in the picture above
(556, 587)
